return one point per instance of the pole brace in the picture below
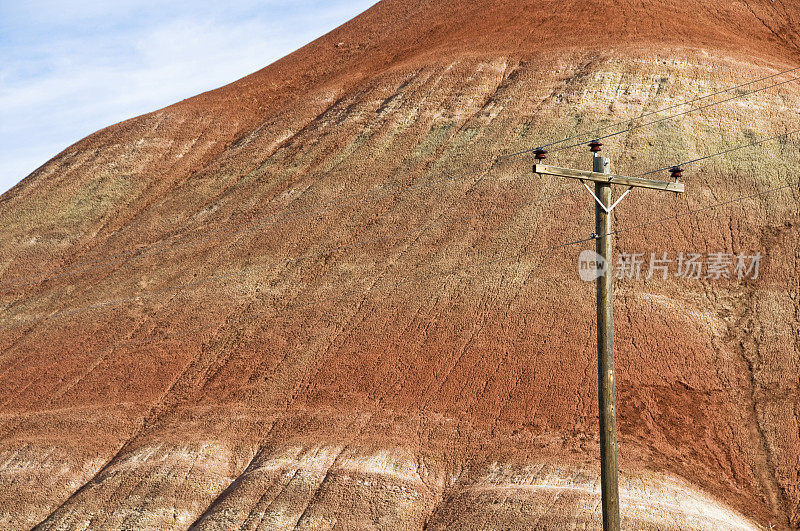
(612, 207)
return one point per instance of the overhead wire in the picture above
(691, 212)
(114, 302)
(558, 246)
(665, 118)
(724, 152)
(285, 261)
(238, 228)
(369, 195)
(376, 240)
(594, 132)
(450, 272)
(429, 181)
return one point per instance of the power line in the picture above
(395, 285)
(82, 267)
(453, 271)
(354, 200)
(285, 261)
(657, 111)
(569, 243)
(703, 209)
(653, 122)
(223, 232)
(279, 218)
(724, 152)
(369, 195)
(209, 236)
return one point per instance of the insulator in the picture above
(540, 154)
(676, 172)
(595, 146)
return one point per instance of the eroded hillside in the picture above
(320, 297)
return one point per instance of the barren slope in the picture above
(303, 300)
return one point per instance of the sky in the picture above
(71, 67)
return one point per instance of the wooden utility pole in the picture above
(605, 350)
(603, 179)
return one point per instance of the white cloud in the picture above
(57, 88)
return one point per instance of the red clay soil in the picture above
(317, 298)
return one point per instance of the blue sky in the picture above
(69, 68)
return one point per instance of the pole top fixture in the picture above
(595, 146)
(540, 154)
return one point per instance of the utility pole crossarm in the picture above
(608, 178)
